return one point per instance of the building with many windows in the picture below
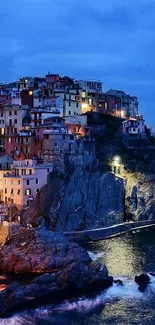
(21, 185)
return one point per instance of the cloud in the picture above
(108, 40)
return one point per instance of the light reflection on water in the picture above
(125, 257)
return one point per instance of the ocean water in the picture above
(125, 257)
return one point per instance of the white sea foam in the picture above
(128, 291)
(84, 305)
(96, 256)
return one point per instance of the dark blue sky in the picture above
(111, 40)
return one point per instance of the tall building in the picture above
(119, 100)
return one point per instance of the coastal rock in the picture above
(119, 282)
(143, 280)
(90, 200)
(51, 288)
(152, 273)
(39, 251)
(64, 269)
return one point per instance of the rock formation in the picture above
(140, 196)
(39, 251)
(142, 280)
(63, 269)
(90, 200)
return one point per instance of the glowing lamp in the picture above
(84, 106)
(117, 159)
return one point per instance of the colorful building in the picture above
(21, 185)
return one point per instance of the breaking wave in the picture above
(96, 256)
(84, 305)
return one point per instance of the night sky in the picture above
(110, 40)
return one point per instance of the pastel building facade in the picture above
(59, 140)
(134, 128)
(21, 185)
(125, 103)
(21, 145)
(78, 124)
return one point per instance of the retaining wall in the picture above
(108, 232)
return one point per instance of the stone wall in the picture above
(63, 160)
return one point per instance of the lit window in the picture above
(90, 101)
(28, 192)
(2, 131)
(30, 93)
(83, 94)
(10, 140)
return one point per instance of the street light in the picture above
(117, 159)
(116, 164)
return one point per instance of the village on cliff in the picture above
(45, 122)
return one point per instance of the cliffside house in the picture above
(20, 185)
(134, 128)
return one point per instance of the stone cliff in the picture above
(140, 197)
(90, 200)
(93, 197)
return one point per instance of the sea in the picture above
(125, 257)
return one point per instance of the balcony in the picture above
(133, 130)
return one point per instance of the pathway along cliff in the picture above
(109, 232)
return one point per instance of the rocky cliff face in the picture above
(90, 200)
(140, 197)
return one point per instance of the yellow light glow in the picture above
(84, 106)
(83, 94)
(2, 131)
(117, 159)
(30, 92)
(122, 113)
